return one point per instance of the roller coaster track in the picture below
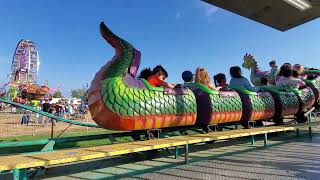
(57, 118)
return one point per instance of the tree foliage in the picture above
(57, 94)
(78, 93)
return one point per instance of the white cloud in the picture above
(178, 15)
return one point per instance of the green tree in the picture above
(78, 93)
(57, 94)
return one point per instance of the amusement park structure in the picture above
(25, 63)
(24, 73)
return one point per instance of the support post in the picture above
(310, 124)
(252, 140)
(19, 174)
(16, 174)
(113, 139)
(52, 128)
(176, 152)
(298, 132)
(186, 157)
(265, 141)
(23, 174)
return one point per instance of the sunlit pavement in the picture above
(296, 159)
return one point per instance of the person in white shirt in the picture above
(286, 80)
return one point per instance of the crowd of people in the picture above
(286, 76)
(61, 109)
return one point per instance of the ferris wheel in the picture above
(25, 63)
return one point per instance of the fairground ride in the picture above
(24, 73)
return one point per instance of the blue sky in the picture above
(178, 34)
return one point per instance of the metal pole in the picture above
(16, 174)
(186, 157)
(310, 124)
(51, 128)
(23, 174)
(252, 140)
(265, 141)
(176, 152)
(19, 174)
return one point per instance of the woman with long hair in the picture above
(202, 77)
(239, 80)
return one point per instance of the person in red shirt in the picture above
(159, 74)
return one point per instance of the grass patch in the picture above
(77, 144)
(47, 136)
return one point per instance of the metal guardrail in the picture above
(57, 118)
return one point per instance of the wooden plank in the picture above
(81, 154)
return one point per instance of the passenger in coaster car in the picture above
(239, 80)
(274, 68)
(145, 73)
(159, 74)
(288, 81)
(187, 77)
(202, 77)
(299, 69)
(264, 81)
(220, 80)
(284, 67)
(295, 74)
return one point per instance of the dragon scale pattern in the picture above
(225, 108)
(131, 101)
(263, 106)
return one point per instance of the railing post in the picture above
(252, 140)
(310, 124)
(19, 174)
(23, 174)
(265, 141)
(176, 152)
(51, 128)
(16, 174)
(186, 157)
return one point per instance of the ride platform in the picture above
(20, 163)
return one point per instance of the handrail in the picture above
(48, 114)
(272, 89)
(243, 90)
(202, 87)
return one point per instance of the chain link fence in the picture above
(31, 124)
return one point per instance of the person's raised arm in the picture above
(249, 87)
(167, 85)
(211, 86)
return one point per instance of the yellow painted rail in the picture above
(23, 161)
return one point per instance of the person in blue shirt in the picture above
(239, 80)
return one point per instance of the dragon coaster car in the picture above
(119, 101)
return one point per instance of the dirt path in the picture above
(10, 125)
